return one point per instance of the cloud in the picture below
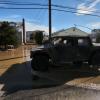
(3, 5)
(83, 8)
(30, 25)
(14, 16)
(11, 18)
(33, 26)
(94, 25)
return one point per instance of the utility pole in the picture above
(24, 37)
(50, 24)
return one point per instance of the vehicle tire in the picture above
(40, 63)
(95, 60)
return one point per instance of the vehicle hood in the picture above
(38, 48)
(42, 47)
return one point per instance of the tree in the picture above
(32, 36)
(7, 34)
(39, 37)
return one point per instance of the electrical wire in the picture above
(60, 6)
(83, 26)
(38, 4)
(40, 11)
(75, 12)
(41, 8)
(45, 7)
(23, 8)
(40, 14)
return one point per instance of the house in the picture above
(95, 33)
(73, 32)
(30, 36)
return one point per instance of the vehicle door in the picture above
(84, 48)
(66, 50)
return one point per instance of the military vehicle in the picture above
(60, 50)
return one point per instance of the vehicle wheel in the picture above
(95, 61)
(40, 63)
(78, 64)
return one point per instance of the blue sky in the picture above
(38, 19)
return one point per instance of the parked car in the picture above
(61, 50)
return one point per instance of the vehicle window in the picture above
(72, 42)
(56, 41)
(65, 41)
(83, 42)
(69, 42)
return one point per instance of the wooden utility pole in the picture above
(24, 37)
(50, 18)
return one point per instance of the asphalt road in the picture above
(15, 76)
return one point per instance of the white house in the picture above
(73, 32)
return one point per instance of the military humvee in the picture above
(61, 50)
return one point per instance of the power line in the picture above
(5, 1)
(28, 4)
(60, 6)
(37, 4)
(41, 8)
(75, 12)
(40, 11)
(40, 14)
(43, 13)
(83, 26)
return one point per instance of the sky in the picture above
(38, 19)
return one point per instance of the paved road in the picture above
(15, 74)
(56, 93)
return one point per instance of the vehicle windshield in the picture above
(71, 41)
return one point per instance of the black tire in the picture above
(40, 63)
(95, 60)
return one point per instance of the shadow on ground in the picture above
(18, 76)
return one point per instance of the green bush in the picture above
(8, 35)
(39, 37)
